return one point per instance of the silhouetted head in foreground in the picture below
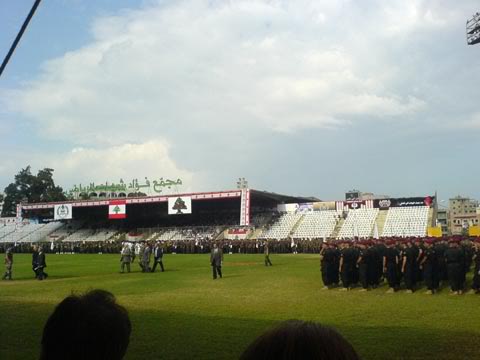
(295, 339)
(90, 326)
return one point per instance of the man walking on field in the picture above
(158, 257)
(147, 251)
(216, 259)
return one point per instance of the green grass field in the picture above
(187, 315)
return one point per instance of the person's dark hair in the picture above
(90, 326)
(296, 339)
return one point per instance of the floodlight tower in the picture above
(473, 30)
(242, 183)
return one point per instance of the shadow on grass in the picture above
(191, 336)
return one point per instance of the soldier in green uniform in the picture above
(126, 258)
(8, 264)
(455, 259)
(266, 251)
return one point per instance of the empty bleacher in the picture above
(5, 230)
(30, 232)
(101, 235)
(406, 221)
(317, 224)
(359, 222)
(282, 227)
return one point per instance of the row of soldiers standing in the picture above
(411, 261)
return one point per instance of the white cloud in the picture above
(192, 65)
(225, 83)
(127, 161)
(472, 123)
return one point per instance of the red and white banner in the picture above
(117, 209)
(238, 231)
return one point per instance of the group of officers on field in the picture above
(142, 251)
(368, 263)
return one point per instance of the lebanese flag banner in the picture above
(117, 209)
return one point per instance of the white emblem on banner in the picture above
(179, 205)
(63, 212)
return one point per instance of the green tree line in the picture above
(31, 188)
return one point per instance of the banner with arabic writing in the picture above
(125, 189)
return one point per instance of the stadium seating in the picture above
(282, 227)
(5, 230)
(167, 235)
(64, 231)
(359, 222)
(31, 232)
(406, 221)
(79, 235)
(317, 224)
(188, 233)
(101, 235)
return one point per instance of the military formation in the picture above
(403, 263)
(407, 264)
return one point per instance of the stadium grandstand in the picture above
(238, 214)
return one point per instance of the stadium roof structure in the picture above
(256, 196)
(473, 30)
(240, 201)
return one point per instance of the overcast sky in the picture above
(308, 98)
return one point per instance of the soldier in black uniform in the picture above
(440, 248)
(400, 246)
(476, 274)
(329, 265)
(467, 248)
(323, 267)
(455, 259)
(409, 266)
(420, 248)
(335, 275)
(35, 260)
(347, 265)
(430, 267)
(41, 264)
(355, 254)
(391, 259)
(379, 249)
(365, 264)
